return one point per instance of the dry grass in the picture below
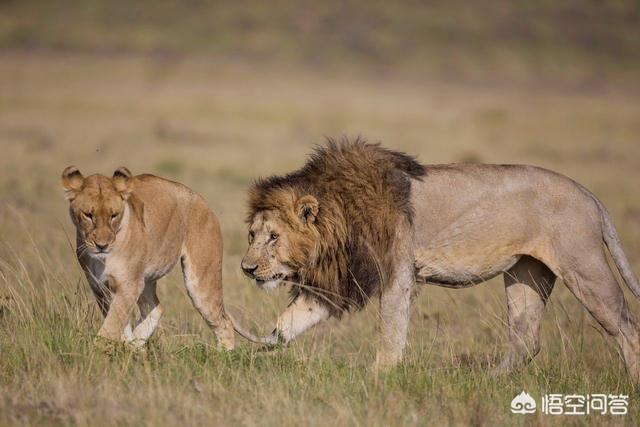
(215, 126)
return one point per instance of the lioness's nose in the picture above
(249, 269)
(101, 247)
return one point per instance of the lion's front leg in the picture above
(395, 302)
(303, 313)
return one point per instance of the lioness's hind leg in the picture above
(150, 314)
(528, 286)
(596, 287)
(202, 270)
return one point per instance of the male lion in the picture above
(131, 231)
(359, 220)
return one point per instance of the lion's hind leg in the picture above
(528, 285)
(595, 286)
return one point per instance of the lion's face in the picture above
(280, 243)
(97, 206)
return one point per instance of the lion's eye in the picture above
(273, 237)
(88, 216)
(252, 235)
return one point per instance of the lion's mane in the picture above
(364, 193)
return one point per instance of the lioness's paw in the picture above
(113, 348)
(105, 345)
(138, 345)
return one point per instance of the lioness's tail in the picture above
(245, 332)
(610, 237)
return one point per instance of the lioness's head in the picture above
(97, 206)
(281, 239)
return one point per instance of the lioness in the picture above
(131, 231)
(359, 220)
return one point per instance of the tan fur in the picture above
(464, 224)
(131, 231)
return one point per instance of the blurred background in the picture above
(216, 94)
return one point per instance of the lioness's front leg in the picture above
(103, 297)
(303, 313)
(125, 296)
(150, 313)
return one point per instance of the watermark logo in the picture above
(572, 404)
(523, 404)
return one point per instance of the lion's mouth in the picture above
(271, 283)
(274, 278)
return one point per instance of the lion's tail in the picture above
(610, 237)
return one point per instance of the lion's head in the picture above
(97, 206)
(281, 239)
(329, 226)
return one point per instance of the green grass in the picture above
(53, 372)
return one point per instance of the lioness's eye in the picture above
(251, 236)
(88, 215)
(113, 216)
(273, 237)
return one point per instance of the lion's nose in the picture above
(101, 246)
(249, 269)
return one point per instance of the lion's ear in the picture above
(72, 181)
(307, 208)
(122, 181)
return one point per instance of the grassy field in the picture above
(216, 122)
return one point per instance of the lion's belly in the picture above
(462, 255)
(472, 223)
(459, 269)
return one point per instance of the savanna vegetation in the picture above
(217, 94)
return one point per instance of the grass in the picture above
(52, 372)
(216, 122)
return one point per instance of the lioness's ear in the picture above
(122, 182)
(72, 181)
(307, 208)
